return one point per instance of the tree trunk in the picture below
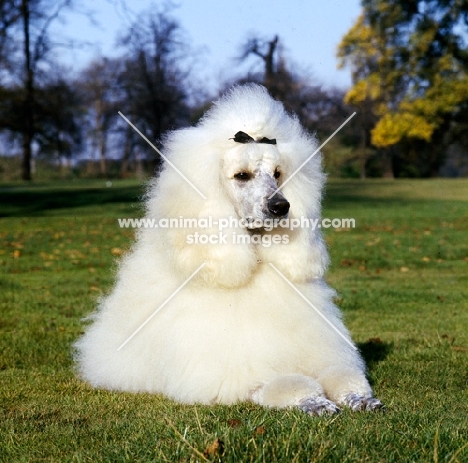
(387, 164)
(270, 60)
(126, 154)
(363, 154)
(28, 133)
(139, 166)
(102, 154)
(27, 155)
(90, 167)
(101, 137)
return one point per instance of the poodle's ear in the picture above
(199, 239)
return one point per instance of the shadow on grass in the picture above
(34, 202)
(384, 194)
(374, 350)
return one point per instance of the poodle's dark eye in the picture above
(243, 176)
(277, 174)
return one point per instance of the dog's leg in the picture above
(349, 388)
(295, 391)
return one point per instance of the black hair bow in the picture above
(242, 137)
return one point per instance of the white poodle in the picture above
(236, 308)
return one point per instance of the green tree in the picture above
(155, 75)
(409, 60)
(58, 119)
(25, 46)
(102, 98)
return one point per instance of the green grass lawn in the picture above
(402, 278)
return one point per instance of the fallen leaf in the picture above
(214, 449)
(116, 251)
(16, 253)
(233, 423)
(260, 430)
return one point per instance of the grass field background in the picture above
(402, 278)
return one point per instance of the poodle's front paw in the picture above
(318, 406)
(225, 268)
(358, 402)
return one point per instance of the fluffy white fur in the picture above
(237, 331)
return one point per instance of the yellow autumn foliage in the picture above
(411, 96)
(442, 97)
(364, 89)
(358, 41)
(393, 127)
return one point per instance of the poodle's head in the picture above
(259, 146)
(251, 173)
(247, 156)
(247, 159)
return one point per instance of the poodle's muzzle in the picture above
(274, 205)
(278, 206)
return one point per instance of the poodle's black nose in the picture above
(278, 206)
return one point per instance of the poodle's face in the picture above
(251, 173)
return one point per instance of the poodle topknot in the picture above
(223, 300)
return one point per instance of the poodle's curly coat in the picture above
(237, 330)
